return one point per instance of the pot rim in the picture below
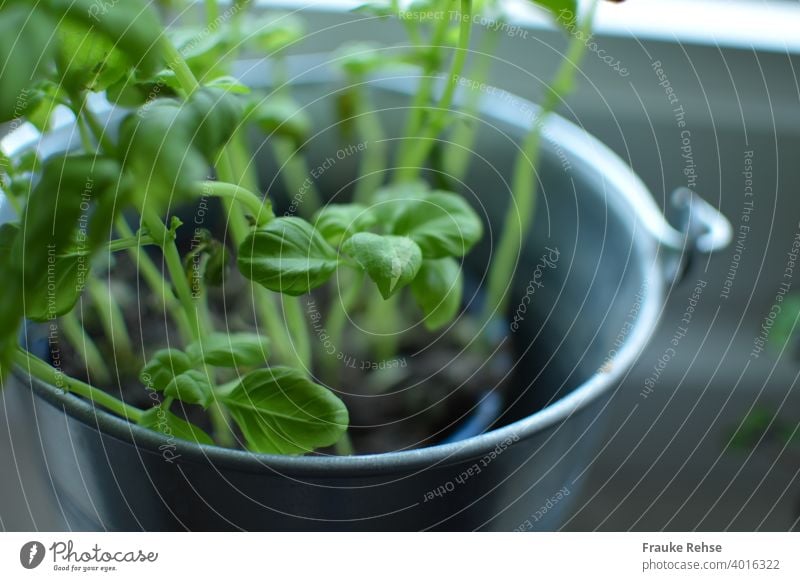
(624, 190)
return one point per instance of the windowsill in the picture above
(764, 25)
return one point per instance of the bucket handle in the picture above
(700, 228)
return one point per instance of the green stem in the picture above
(154, 278)
(337, 321)
(522, 208)
(384, 314)
(15, 204)
(83, 344)
(374, 161)
(111, 317)
(175, 268)
(135, 241)
(212, 11)
(410, 164)
(265, 307)
(50, 375)
(86, 137)
(296, 321)
(239, 157)
(179, 66)
(458, 154)
(422, 97)
(78, 105)
(116, 245)
(222, 427)
(259, 208)
(225, 170)
(296, 176)
(344, 447)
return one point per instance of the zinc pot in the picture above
(610, 257)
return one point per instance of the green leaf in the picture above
(391, 200)
(202, 48)
(163, 366)
(379, 8)
(10, 294)
(49, 228)
(785, 326)
(437, 290)
(390, 261)
(234, 350)
(130, 91)
(156, 145)
(41, 114)
(337, 222)
(229, 85)
(10, 297)
(360, 58)
(25, 45)
(279, 115)
(192, 386)
(270, 32)
(441, 223)
(59, 291)
(565, 9)
(168, 424)
(288, 256)
(281, 411)
(216, 116)
(131, 26)
(88, 61)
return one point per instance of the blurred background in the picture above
(715, 443)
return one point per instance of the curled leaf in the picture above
(390, 261)
(288, 256)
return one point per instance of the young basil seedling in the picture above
(185, 117)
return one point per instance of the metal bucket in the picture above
(581, 330)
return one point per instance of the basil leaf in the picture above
(563, 8)
(391, 201)
(163, 367)
(390, 261)
(49, 229)
(234, 350)
(281, 411)
(229, 85)
(337, 222)
(10, 296)
(59, 291)
(202, 47)
(25, 44)
(192, 386)
(217, 114)
(441, 223)
(360, 58)
(156, 143)
(287, 256)
(169, 425)
(279, 115)
(130, 91)
(437, 290)
(270, 32)
(131, 26)
(88, 61)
